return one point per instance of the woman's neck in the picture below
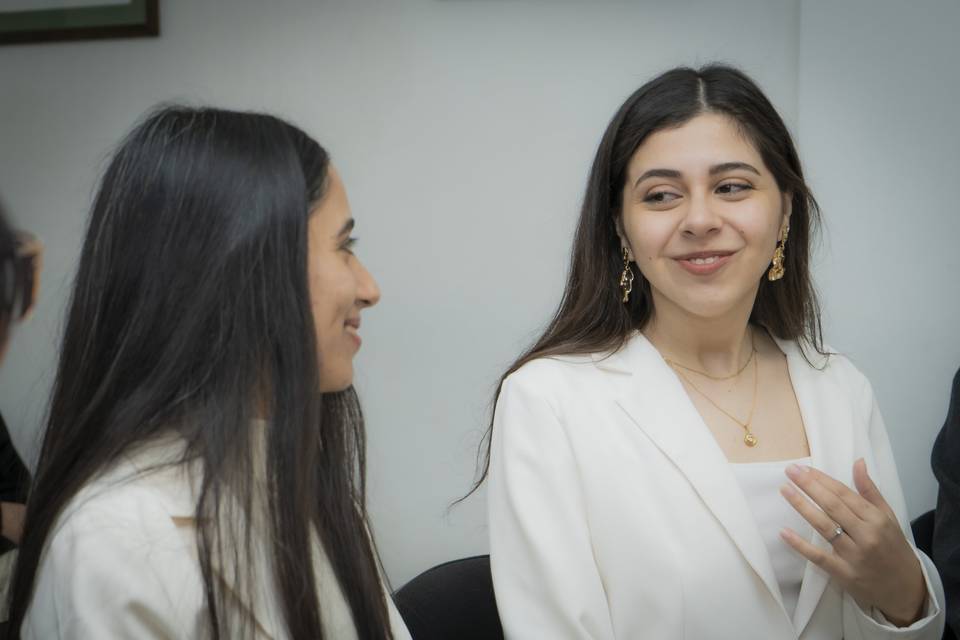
(717, 346)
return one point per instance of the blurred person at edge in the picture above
(20, 261)
(945, 460)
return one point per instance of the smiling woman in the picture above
(712, 210)
(202, 468)
(340, 286)
(679, 455)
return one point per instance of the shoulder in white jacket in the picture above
(122, 564)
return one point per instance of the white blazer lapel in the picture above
(820, 406)
(180, 490)
(657, 403)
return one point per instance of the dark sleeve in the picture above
(946, 533)
(14, 477)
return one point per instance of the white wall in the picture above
(879, 135)
(464, 131)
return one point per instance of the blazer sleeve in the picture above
(872, 625)
(545, 578)
(110, 575)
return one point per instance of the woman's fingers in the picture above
(854, 501)
(832, 563)
(822, 523)
(869, 490)
(872, 559)
(837, 512)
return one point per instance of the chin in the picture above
(709, 311)
(717, 303)
(335, 383)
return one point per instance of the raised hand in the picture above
(871, 557)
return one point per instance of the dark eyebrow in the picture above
(347, 227)
(714, 170)
(732, 166)
(658, 173)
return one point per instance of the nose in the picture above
(700, 218)
(368, 292)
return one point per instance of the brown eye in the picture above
(660, 197)
(731, 188)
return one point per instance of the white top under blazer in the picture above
(614, 514)
(761, 482)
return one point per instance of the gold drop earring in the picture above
(626, 277)
(777, 269)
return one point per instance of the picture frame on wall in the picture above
(24, 21)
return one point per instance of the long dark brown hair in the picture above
(191, 314)
(591, 317)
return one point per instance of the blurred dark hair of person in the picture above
(20, 260)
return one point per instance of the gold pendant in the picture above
(750, 440)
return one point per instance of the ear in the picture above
(787, 206)
(623, 238)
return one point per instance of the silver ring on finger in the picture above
(836, 534)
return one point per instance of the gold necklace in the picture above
(748, 438)
(753, 352)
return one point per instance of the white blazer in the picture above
(614, 513)
(122, 563)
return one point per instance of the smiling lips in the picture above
(704, 263)
(353, 327)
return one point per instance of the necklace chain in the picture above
(753, 352)
(748, 439)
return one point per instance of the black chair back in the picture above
(451, 600)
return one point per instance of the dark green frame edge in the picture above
(139, 18)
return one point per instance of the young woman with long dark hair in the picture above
(673, 457)
(202, 468)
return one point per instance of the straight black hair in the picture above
(191, 315)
